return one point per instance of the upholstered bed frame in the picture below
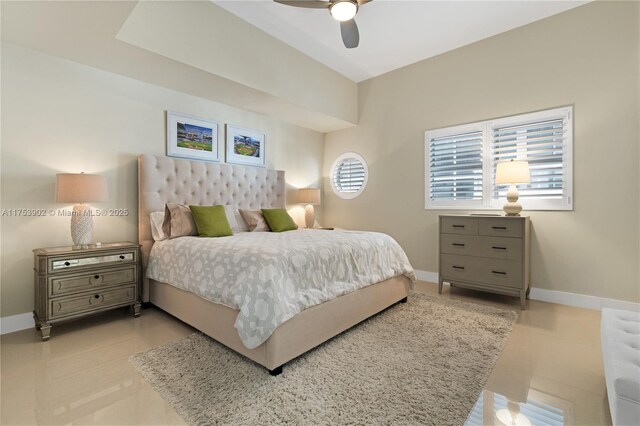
(168, 180)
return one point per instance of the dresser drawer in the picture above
(466, 245)
(459, 225)
(463, 268)
(499, 248)
(67, 263)
(502, 273)
(65, 306)
(90, 281)
(500, 227)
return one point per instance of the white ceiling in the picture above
(393, 33)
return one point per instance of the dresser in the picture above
(488, 253)
(73, 282)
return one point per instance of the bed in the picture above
(301, 322)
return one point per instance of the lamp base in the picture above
(512, 208)
(81, 225)
(309, 216)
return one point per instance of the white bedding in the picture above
(270, 277)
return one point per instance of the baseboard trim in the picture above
(16, 323)
(559, 297)
(431, 277)
(581, 300)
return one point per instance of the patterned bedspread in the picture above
(270, 277)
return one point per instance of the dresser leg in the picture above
(523, 300)
(136, 309)
(440, 287)
(45, 329)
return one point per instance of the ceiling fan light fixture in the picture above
(343, 10)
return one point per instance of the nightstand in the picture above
(73, 282)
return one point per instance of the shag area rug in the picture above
(423, 362)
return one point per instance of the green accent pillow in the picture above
(211, 221)
(279, 220)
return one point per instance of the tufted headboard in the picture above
(170, 180)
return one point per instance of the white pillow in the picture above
(231, 218)
(156, 219)
(242, 225)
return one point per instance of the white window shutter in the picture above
(455, 167)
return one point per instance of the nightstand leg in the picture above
(136, 309)
(440, 286)
(523, 300)
(45, 329)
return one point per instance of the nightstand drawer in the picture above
(500, 227)
(95, 280)
(499, 248)
(466, 245)
(59, 264)
(459, 225)
(503, 273)
(65, 306)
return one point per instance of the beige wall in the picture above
(587, 57)
(60, 116)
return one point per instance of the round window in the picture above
(349, 175)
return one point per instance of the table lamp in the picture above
(79, 188)
(309, 196)
(512, 173)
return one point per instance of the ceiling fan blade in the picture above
(309, 4)
(361, 2)
(350, 33)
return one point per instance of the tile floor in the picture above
(81, 376)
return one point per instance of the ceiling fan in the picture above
(341, 10)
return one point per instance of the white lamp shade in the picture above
(512, 172)
(80, 188)
(309, 196)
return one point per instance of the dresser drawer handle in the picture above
(96, 276)
(97, 296)
(499, 248)
(458, 267)
(457, 244)
(499, 227)
(67, 263)
(458, 226)
(499, 272)
(122, 256)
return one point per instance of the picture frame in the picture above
(245, 146)
(192, 137)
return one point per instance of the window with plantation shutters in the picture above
(461, 161)
(455, 167)
(349, 175)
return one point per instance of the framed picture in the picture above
(192, 137)
(245, 146)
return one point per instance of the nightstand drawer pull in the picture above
(122, 256)
(457, 244)
(96, 276)
(499, 272)
(67, 263)
(458, 226)
(458, 267)
(97, 296)
(498, 227)
(498, 248)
